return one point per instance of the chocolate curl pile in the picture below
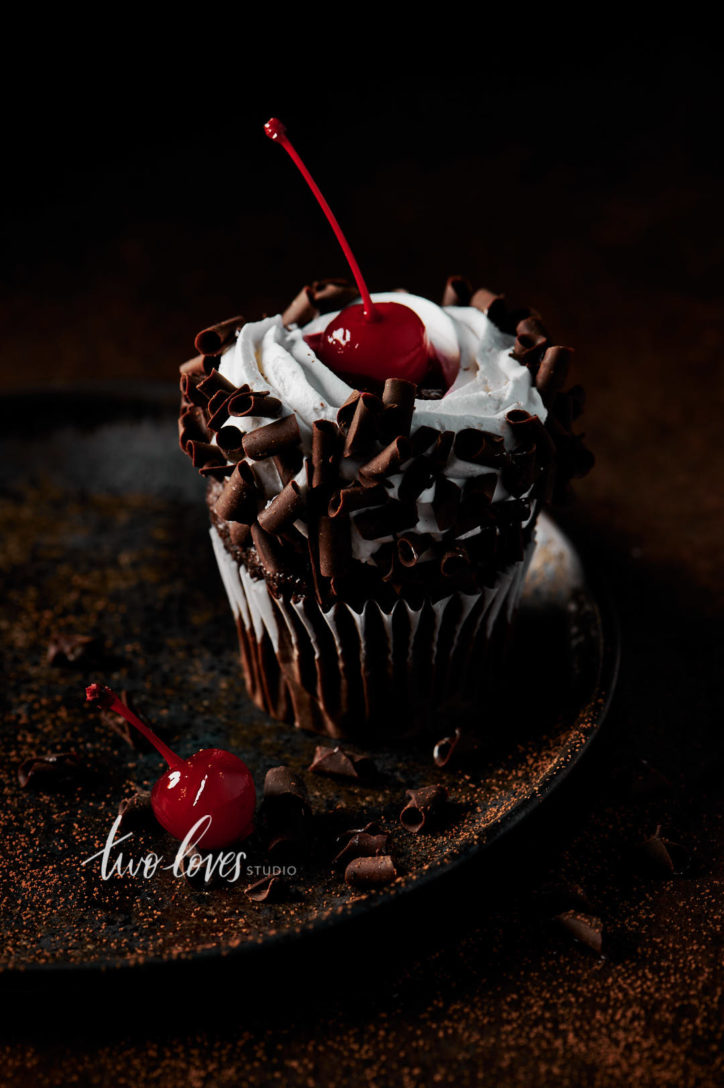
(285, 810)
(424, 808)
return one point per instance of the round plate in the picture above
(108, 537)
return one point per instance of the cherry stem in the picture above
(108, 700)
(276, 131)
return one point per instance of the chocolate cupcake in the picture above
(373, 536)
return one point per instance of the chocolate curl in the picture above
(355, 497)
(213, 340)
(189, 386)
(229, 439)
(49, 772)
(237, 502)
(335, 546)
(268, 889)
(480, 447)
(321, 297)
(192, 426)
(483, 299)
(215, 382)
(361, 845)
(268, 550)
(411, 546)
(364, 426)
(552, 372)
(475, 503)
(370, 872)
(288, 463)
(247, 403)
(204, 455)
(523, 425)
(282, 787)
(455, 563)
(385, 520)
(398, 404)
(325, 453)
(584, 928)
(218, 472)
(458, 292)
(445, 502)
(440, 451)
(285, 809)
(336, 761)
(271, 439)
(282, 510)
(423, 808)
(445, 749)
(417, 477)
(345, 413)
(660, 857)
(218, 410)
(194, 367)
(239, 533)
(422, 439)
(519, 472)
(386, 462)
(531, 340)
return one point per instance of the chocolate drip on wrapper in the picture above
(424, 807)
(213, 340)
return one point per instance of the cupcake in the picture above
(373, 535)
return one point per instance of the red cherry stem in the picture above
(276, 131)
(106, 699)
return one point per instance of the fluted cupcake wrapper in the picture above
(373, 673)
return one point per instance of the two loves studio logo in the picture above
(188, 860)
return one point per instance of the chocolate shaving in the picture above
(387, 461)
(213, 340)
(385, 520)
(531, 340)
(271, 439)
(455, 563)
(194, 368)
(364, 426)
(325, 453)
(445, 501)
(361, 845)
(216, 471)
(51, 771)
(268, 889)
(335, 547)
(582, 927)
(458, 292)
(189, 385)
(483, 299)
(288, 463)
(218, 410)
(479, 447)
(269, 552)
(285, 811)
(523, 425)
(355, 497)
(248, 403)
(345, 414)
(238, 500)
(411, 546)
(282, 787)
(136, 811)
(214, 383)
(424, 807)
(239, 533)
(192, 426)
(441, 449)
(398, 404)
(284, 509)
(660, 857)
(445, 749)
(65, 649)
(204, 455)
(321, 297)
(370, 872)
(337, 761)
(229, 440)
(552, 372)
(422, 439)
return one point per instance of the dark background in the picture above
(581, 173)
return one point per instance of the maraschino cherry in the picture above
(212, 782)
(368, 340)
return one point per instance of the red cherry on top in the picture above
(371, 340)
(211, 783)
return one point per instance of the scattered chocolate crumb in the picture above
(423, 808)
(370, 872)
(67, 649)
(338, 761)
(51, 771)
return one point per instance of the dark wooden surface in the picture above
(591, 189)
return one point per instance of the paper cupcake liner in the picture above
(374, 673)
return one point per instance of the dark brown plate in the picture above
(102, 516)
